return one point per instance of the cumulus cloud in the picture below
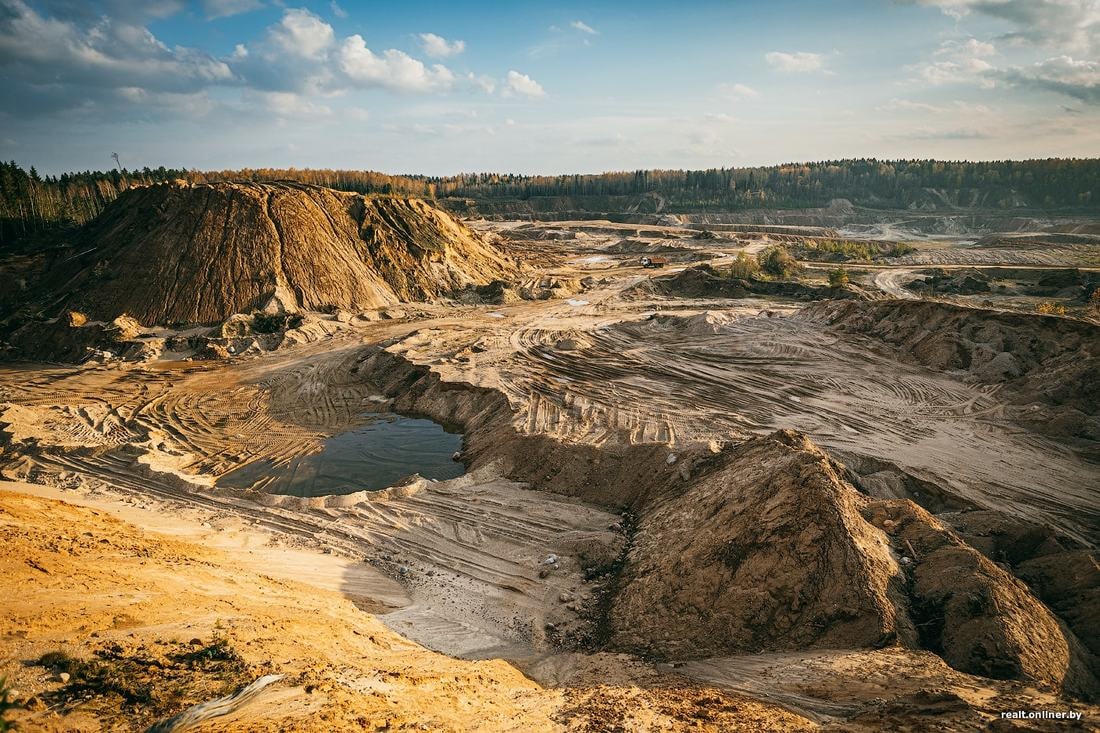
(1072, 25)
(517, 84)
(583, 27)
(45, 56)
(392, 69)
(439, 47)
(1076, 78)
(482, 82)
(797, 62)
(958, 62)
(301, 33)
(105, 66)
(213, 9)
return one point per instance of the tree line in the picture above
(31, 203)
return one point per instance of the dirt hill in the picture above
(199, 253)
(774, 550)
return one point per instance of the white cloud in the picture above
(737, 91)
(1077, 78)
(392, 69)
(798, 62)
(303, 34)
(522, 85)
(439, 47)
(970, 48)
(190, 104)
(337, 9)
(484, 83)
(289, 104)
(961, 63)
(223, 8)
(108, 53)
(958, 108)
(583, 27)
(1072, 25)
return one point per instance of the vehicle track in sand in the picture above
(663, 379)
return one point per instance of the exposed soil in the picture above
(641, 535)
(200, 253)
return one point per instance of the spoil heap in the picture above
(200, 253)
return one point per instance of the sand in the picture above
(583, 410)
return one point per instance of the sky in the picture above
(543, 87)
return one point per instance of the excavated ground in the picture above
(606, 426)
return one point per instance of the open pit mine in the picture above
(276, 457)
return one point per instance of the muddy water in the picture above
(371, 456)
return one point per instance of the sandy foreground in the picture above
(91, 582)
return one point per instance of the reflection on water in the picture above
(369, 457)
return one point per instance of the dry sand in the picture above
(559, 398)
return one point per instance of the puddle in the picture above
(369, 457)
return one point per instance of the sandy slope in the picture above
(90, 582)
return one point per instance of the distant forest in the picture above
(31, 203)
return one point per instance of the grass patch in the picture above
(150, 681)
(844, 250)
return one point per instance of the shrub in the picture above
(838, 278)
(744, 267)
(1051, 309)
(777, 262)
(832, 250)
(5, 705)
(275, 322)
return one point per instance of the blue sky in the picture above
(538, 87)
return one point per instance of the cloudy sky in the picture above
(549, 87)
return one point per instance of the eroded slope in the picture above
(197, 254)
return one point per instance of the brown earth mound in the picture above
(773, 550)
(977, 616)
(769, 552)
(197, 254)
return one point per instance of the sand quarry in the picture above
(686, 503)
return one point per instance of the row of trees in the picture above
(1052, 183)
(31, 203)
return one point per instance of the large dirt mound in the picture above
(197, 254)
(773, 550)
(769, 552)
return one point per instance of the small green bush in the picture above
(778, 262)
(838, 278)
(744, 267)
